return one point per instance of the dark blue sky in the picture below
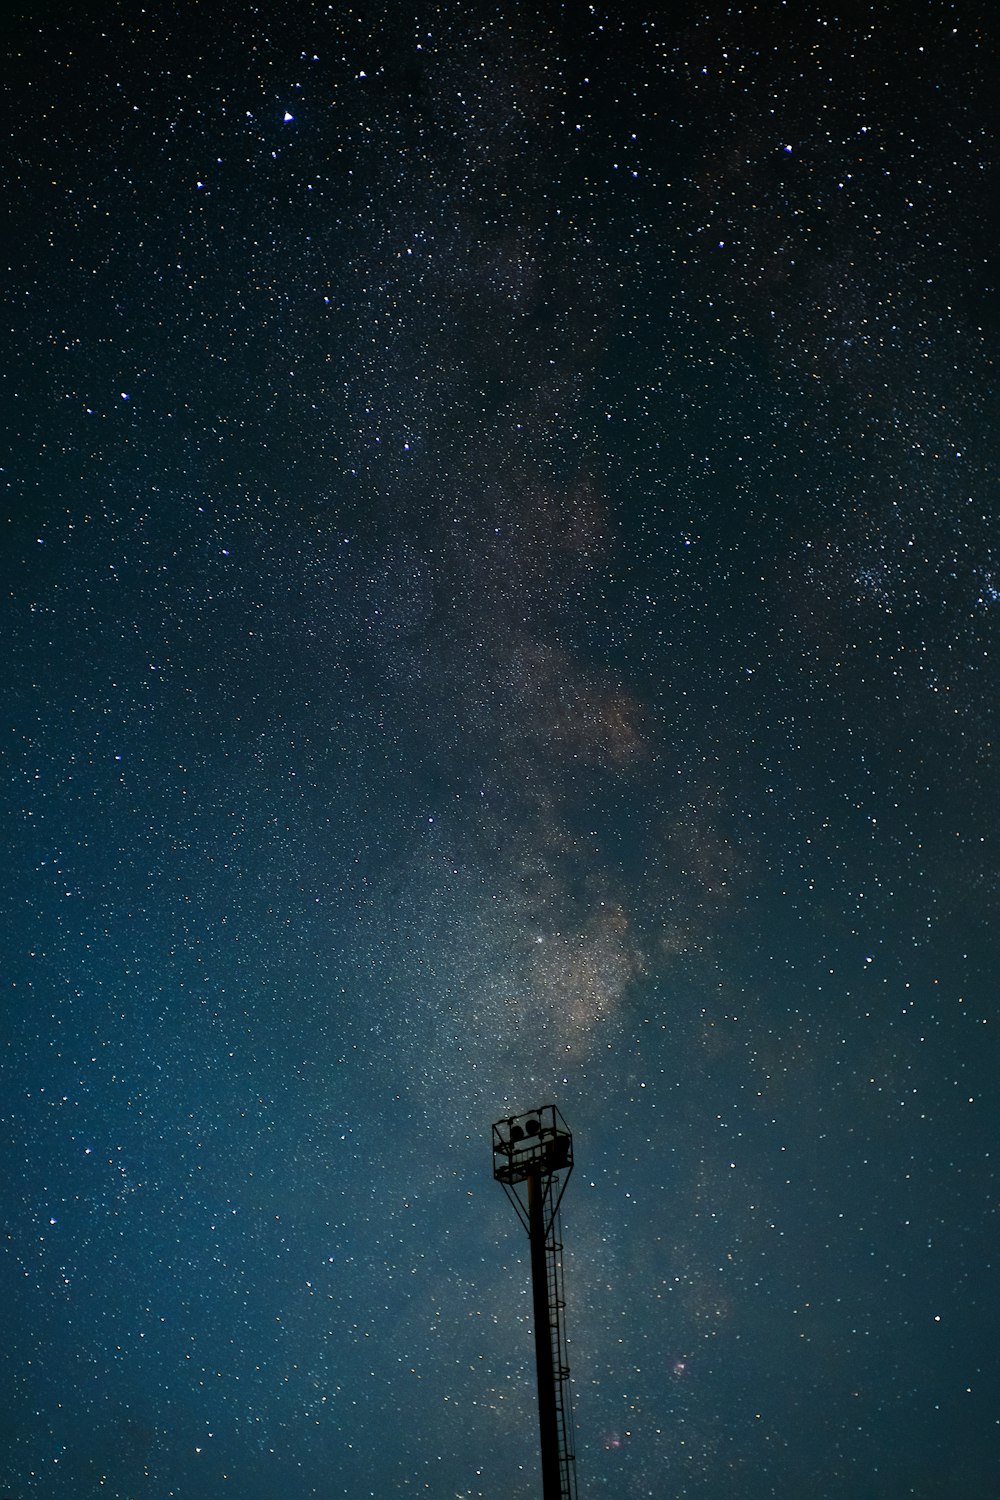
(501, 585)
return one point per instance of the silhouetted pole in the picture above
(532, 1161)
(548, 1426)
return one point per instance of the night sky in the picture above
(501, 588)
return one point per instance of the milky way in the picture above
(501, 597)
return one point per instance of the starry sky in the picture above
(501, 587)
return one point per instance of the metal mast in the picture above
(532, 1160)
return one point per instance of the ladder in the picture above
(560, 1361)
